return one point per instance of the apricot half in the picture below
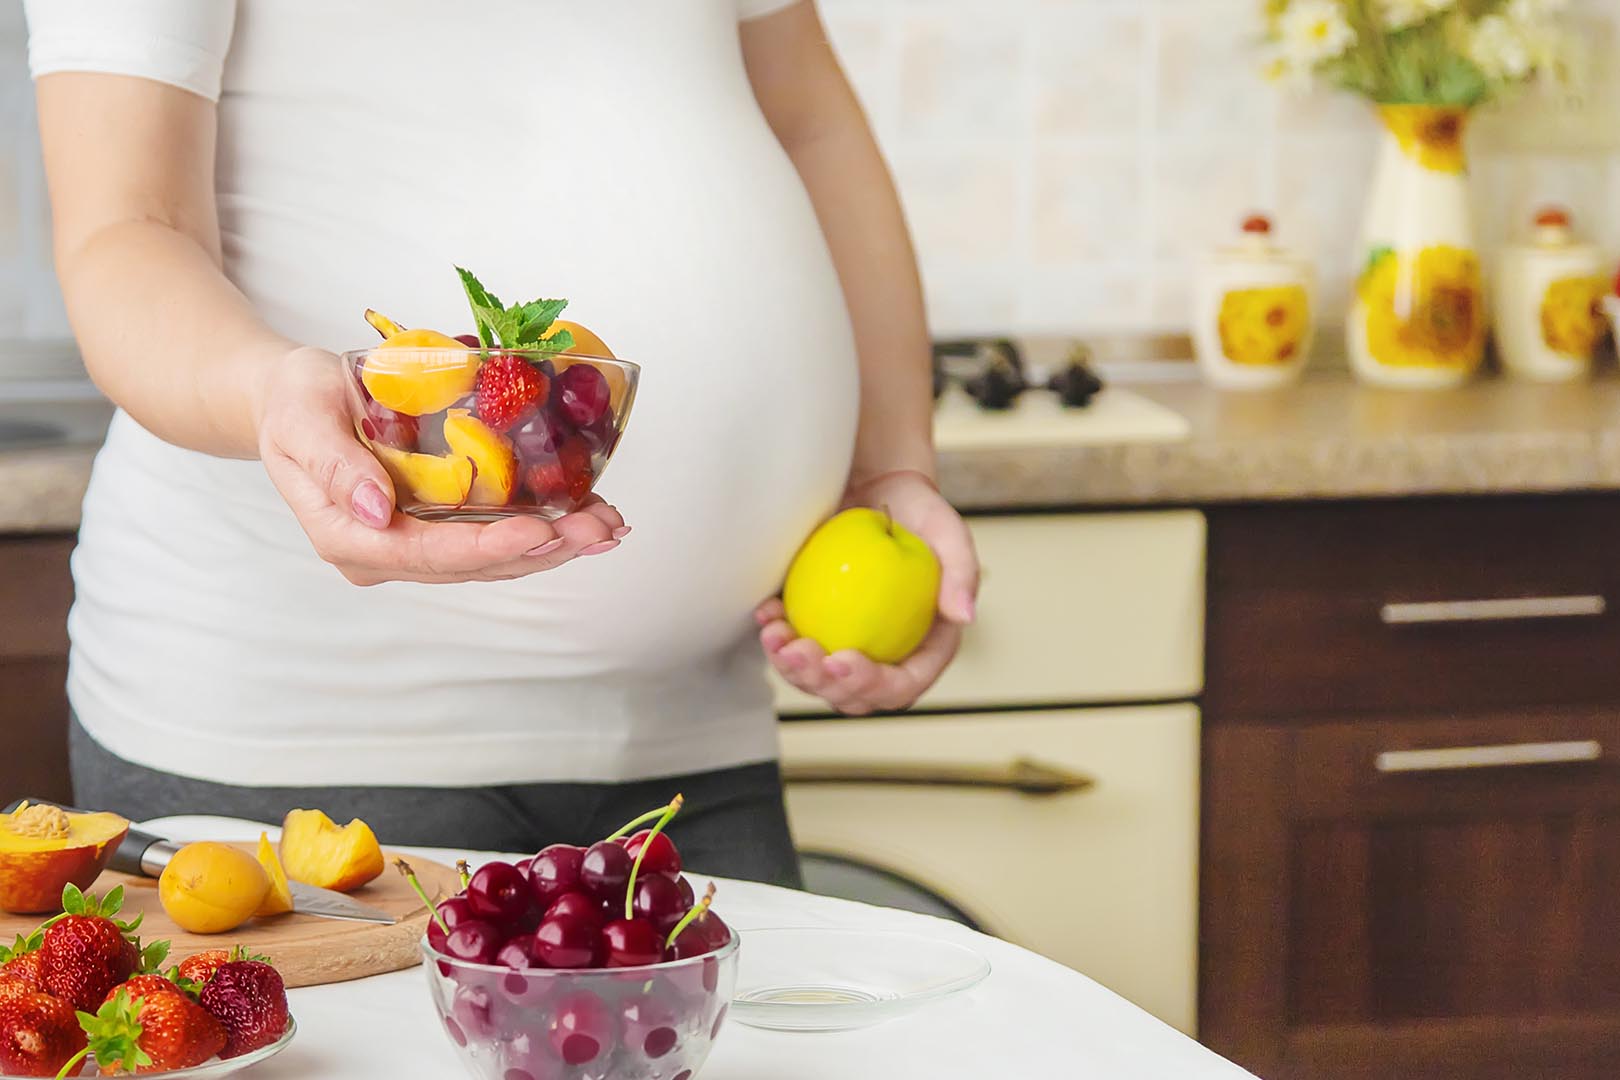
(431, 478)
(318, 851)
(586, 343)
(209, 888)
(43, 848)
(416, 372)
(491, 453)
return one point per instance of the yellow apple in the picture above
(863, 582)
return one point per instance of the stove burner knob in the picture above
(997, 387)
(1075, 385)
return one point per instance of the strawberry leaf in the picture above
(113, 1034)
(22, 947)
(152, 957)
(72, 900)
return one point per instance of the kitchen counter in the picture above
(1327, 438)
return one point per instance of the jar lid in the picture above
(1553, 226)
(1255, 243)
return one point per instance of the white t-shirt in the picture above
(609, 152)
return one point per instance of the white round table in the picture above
(1031, 1018)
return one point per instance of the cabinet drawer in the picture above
(1431, 606)
(1101, 877)
(1076, 608)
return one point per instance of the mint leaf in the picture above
(535, 318)
(561, 341)
(486, 307)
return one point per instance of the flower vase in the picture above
(1418, 319)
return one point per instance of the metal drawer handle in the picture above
(1468, 611)
(1022, 775)
(1509, 755)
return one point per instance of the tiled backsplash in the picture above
(1062, 161)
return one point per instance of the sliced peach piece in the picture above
(43, 848)
(278, 901)
(417, 372)
(491, 454)
(430, 478)
(318, 851)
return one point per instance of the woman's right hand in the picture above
(344, 499)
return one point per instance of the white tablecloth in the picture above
(1031, 1019)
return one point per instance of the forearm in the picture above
(167, 337)
(860, 215)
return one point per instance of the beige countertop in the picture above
(1326, 438)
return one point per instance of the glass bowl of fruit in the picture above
(582, 962)
(517, 419)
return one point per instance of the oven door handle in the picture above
(1022, 775)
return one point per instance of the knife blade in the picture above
(145, 855)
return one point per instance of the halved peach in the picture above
(430, 478)
(491, 454)
(318, 851)
(417, 372)
(43, 848)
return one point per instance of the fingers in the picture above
(770, 611)
(850, 681)
(958, 565)
(344, 471)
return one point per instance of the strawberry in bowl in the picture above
(518, 419)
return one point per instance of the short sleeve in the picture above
(179, 42)
(753, 9)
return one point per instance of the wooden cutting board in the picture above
(306, 949)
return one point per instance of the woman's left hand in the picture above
(848, 680)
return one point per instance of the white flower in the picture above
(1399, 14)
(1314, 31)
(1501, 49)
(1277, 66)
(1532, 11)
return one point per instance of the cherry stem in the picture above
(68, 1066)
(410, 875)
(635, 868)
(463, 871)
(699, 909)
(629, 826)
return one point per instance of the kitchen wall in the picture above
(1061, 160)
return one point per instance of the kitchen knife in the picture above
(146, 855)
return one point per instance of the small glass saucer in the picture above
(216, 1067)
(815, 979)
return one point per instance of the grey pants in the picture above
(732, 825)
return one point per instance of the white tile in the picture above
(1201, 191)
(1088, 60)
(1088, 205)
(1209, 70)
(970, 298)
(958, 75)
(962, 202)
(1322, 184)
(1083, 298)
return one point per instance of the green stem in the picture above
(410, 875)
(642, 820)
(699, 909)
(463, 871)
(68, 1066)
(635, 868)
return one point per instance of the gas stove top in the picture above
(993, 392)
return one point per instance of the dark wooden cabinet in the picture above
(36, 589)
(1411, 860)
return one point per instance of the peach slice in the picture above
(430, 478)
(491, 453)
(278, 901)
(318, 851)
(417, 372)
(43, 848)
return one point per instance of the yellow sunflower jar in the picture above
(1549, 302)
(1252, 312)
(1418, 317)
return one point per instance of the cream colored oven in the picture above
(1046, 791)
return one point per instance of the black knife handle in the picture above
(131, 856)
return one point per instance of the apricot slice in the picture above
(494, 461)
(318, 851)
(430, 478)
(417, 372)
(278, 901)
(586, 343)
(43, 848)
(209, 888)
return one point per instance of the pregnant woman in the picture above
(233, 183)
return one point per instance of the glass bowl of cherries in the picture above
(582, 962)
(517, 419)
